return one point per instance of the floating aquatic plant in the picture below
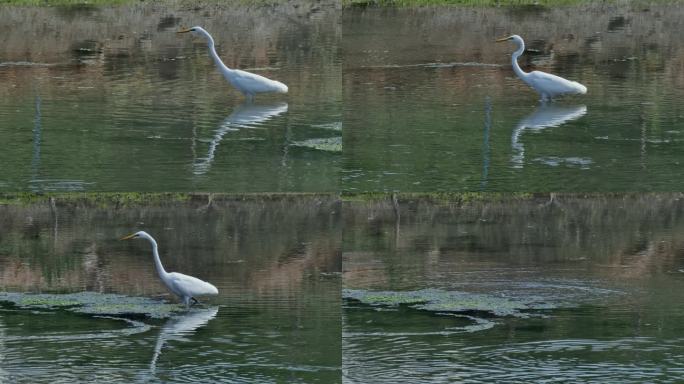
(93, 303)
(440, 301)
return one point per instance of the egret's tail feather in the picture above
(282, 88)
(581, 89)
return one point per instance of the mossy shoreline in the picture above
(489, 197)
(132, 199)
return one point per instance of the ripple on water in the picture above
(406, 342)
(422, 360)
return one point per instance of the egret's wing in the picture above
(256, 83)
(552, 84)
(191, 286)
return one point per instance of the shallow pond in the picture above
(432, 104)
(275, 261)
(517, 290)
(110, 98)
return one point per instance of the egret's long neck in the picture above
(214, 55)
(514, 60)
(157, 261)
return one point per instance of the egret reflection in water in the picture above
(246, 115)
(545, 116)
(179, 327)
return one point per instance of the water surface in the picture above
(609, 269)
(275, 261)
(102, 98)
(432, 104)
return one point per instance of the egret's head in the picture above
(196, 31)
(136, 235)
(515, 38)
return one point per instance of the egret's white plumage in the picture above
(184, 286)
(248, 83)
(546, 84)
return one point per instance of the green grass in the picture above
(132, 199)
(77, 3)
(63, 3)
(92, 198)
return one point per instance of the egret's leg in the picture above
(195, 301)
(186, 301)
(250, 97)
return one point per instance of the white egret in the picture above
(546, 84)
(184, 286)
(248, 83)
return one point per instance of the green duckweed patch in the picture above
(92, 303)
(447, 302)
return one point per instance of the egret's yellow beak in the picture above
(184, 30)
(132, 235)
(503, 39)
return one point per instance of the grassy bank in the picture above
(131, 199)
(89, 3)
(488, 197)
(61, 3)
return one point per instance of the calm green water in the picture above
(432, 104)
(610, 270)
(276, 264)
(112, 99)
